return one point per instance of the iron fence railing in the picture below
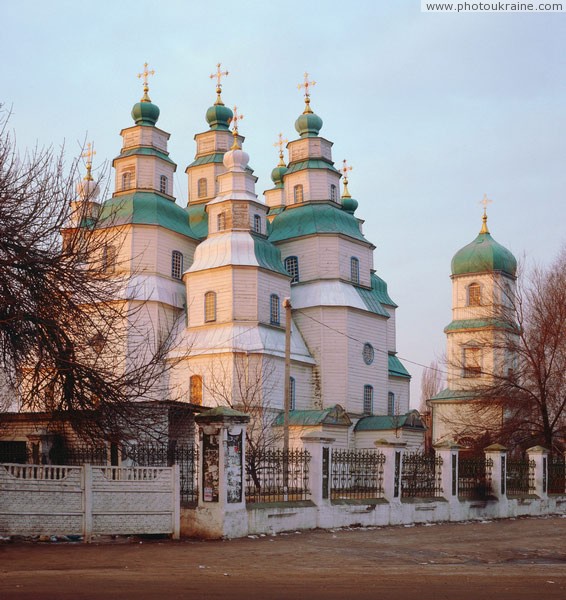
(421, 475)
(556, 475)
(277, 475)
(357, 474)
(474, 477)
(80, 455)
(520, 477)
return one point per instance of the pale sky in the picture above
(432, 110)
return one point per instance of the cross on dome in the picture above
(307, 84)
(344, 170)
(234, 120)
(88, 154)
(145, 74)
(281, 142)
(218, 75)
(485, 201)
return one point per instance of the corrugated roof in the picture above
(312, 163)
(410, 420)
(396, 368)
(217, 157)
(312, 218)
(145, 152)
(268, 256)
(146, 208)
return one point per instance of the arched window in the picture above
(195, 392)
(333, 193)
(298, 194)
(368, 399)
(257, 223)
(201, 188)
(163, 184)
(292, 393)
(472, 362)
(126, 180)
(474, 294)
(292, 267)
(221, 221)
(354, 270)
(391, 403)
(274, 317)
(210, 307)
(108, 259)
(176, 264)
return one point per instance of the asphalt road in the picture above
(510, 559)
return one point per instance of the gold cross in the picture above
(307, 84)
(234, 120)
(281, 143)
(145, 74)
(219, 74)
(90, 152)
(344, 170)
(484, 202)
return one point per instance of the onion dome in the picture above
(145, 113)
(277, 175)
(219, 116)
(308, 125)
(349, 205)
(484, 254)
(87, 189)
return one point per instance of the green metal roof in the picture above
(217, 157)
(381, 293)
(142, 151)
(311, 163)
(483, 254)
(148, 208)
(312, 218)
(334, 415)
(448, 394)
(371, 300)
(410, 420)
(268, 256)
(465, 324)
(198, 219)
(396, 368)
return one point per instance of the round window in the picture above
(368, 353)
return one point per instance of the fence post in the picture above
(318, 447)
(498, 454)
(87, 502)
(392, 469)
(539, 455)
(221, 510)
(448, 452)
(176, 485)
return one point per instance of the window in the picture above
(292, 267)
(368, 399)
(472, 362)
(195, 392)
(108, 259)
(274, 312)
(163, 184)
(391, 403)
(474, 294)
(257, 223)
(210, 307)
(333, 193)
(298, 194)
(221, 221)
(176, 264)
(126, 180)
(291, 393)
(354, 270)
(201, 188)
(368, 353)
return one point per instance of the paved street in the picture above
(519, 559)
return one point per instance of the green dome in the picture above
(145, 113)
(484, 254)
(277, 175)
(349, 205)
(308, 125)
(219, 116)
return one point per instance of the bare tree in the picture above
(63, 332)
(431, 383)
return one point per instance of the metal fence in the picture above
(474, 477)
(421, 476)
(356, 474)
(556, 475)
(277, 476)
(520, 477)
(80, 455)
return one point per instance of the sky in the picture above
(432, 110)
